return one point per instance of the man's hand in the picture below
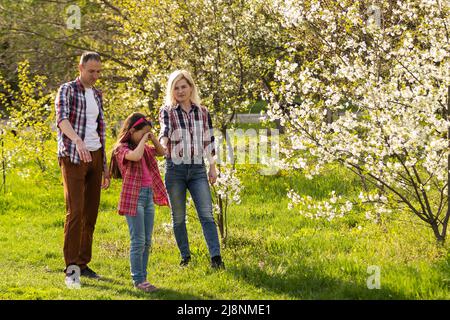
(105, 180)
(83, 152)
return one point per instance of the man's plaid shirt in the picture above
(70, 104)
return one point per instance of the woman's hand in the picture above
(161, 150)
(212, 175)
(164, 142)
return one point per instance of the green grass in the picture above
(271, 252)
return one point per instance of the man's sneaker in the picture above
(73, 277)
(185, 262)
(89, 273)
(217, 263)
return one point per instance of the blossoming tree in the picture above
(368, 86)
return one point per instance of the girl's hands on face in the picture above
(146, 136)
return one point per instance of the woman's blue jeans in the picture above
(180, 178)
(141, 227)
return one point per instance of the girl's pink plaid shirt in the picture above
(132, 179)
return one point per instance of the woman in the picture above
(187, 135)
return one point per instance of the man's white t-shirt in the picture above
(91, 138)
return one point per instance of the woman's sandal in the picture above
(146, 287)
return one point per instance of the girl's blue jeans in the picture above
(141, 227)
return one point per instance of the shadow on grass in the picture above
(116, 286)
(442, 268)
(126, 288)
(310, 284)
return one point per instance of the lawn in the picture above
(271, 252)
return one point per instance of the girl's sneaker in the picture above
(146, 287)
(73, 277)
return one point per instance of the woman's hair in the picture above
(173, 78)
(124, 137)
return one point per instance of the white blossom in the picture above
(384, 86)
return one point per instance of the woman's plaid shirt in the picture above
(191, 135)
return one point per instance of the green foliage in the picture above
(30, 117)
(229, 47)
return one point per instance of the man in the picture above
(82, 158)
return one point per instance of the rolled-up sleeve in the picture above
(120, 154)
(164, 122)
(209, 144)
(62, 104)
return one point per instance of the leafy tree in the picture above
(385, 71)
(30, 111)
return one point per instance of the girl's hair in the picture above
(124, 137)
(173, 78)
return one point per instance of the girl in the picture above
(134, 161)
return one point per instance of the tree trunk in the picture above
(3, 168)
(439, 235)
(220, 218)
(444, 227)
(280, 128)
(229, 147)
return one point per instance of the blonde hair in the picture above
(173, 79)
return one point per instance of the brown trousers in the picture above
(82, 186)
